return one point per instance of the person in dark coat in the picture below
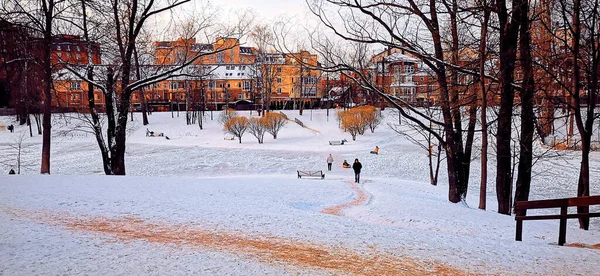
(357, 166)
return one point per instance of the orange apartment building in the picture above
(229, 74)
(70, 93)
(399, 74)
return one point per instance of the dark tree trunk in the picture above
(527, 114)
(509, 27)
(484, 127)
(96, 126)
(48, 9)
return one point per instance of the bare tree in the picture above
(275, 122)
(128, 19)
(237, 126)
(571, 59)
(41, 18)
(258, 127)
(14, 153)
(265, 70)
(415, 28)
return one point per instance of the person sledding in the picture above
(345, 165)
(376, 150)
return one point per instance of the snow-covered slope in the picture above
(197, 204)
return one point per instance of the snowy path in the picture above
(360, 197)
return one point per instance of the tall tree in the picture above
(413, 27)
(127, 19)
(40, 17)
(527, 113)
(509, 24)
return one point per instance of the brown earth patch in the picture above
(359, 199)
(581, 245)
(266, 249)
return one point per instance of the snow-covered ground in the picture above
(197, 204)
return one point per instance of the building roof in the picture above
(398, 57)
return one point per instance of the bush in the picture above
(356, 120)
(237, 126)
(274, 123)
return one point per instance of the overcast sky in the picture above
(269, 9)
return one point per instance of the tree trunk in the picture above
(97, 128)
(508, 43)
(484, 127)
(584, 180)
(48, 9)
(527, 113)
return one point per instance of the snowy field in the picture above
(197, 204)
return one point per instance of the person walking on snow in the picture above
(329, 162)
(356, 167)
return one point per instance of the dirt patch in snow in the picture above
(359, 199)
(581, 245)
(266, 249)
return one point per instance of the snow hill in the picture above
(197, 204)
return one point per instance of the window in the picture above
(77, 56)
(75, 85)
(278, 80)
(239, 84)
(309, 80)
(241, 96)
(278, 69)
(59, 54)
(97, 97)
(247, 85)
(309, 92)
(228, 85)
(212, 84)
(221, 85)
(220, 57)
(422, 78)
(174, 85)
(279, 90)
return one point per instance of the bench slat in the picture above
(569, 216)
(557, 203)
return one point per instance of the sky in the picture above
(197, 204)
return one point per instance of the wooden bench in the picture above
(337, 142)
(521, 208)
(318, 174)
